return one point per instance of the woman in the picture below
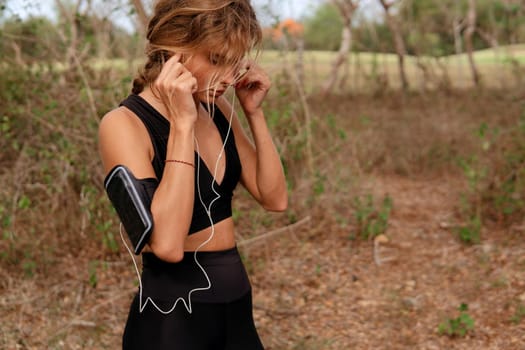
(179, 134)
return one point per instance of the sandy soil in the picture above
(324, 291)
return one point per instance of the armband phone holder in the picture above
(132, 205)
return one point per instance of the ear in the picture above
(165, 55)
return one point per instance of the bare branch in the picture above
(141, 14)
(386, 5)
(469, 33)
(274, 232)
(347, 9)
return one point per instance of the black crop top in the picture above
(158, 128)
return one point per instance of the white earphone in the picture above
(187, 304)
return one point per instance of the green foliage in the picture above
(458, 326)
(323, 29)
(92, 273)
(319, 184)
(428, 24)
(288, 128)
(28, 262)
(38, 40)
(50, 167)
(518, 315)
(496, 179)
(29, 267)
(470, 232)
(24, 202)
(371, 220)
(31, 37)
(110, 242)
(374, 36)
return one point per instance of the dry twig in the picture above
(267, 235)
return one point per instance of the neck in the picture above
(148, 95)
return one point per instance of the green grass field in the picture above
(501, 55)
(498, 68)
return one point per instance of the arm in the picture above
(123, 142)
(262, 172)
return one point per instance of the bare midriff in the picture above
(223, 238)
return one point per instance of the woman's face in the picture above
(213, 76)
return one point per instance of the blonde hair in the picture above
(226, 28)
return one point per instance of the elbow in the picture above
(166, 253)
(278, 204)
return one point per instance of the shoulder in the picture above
(123, 139)
(120, 117)
(119, 126)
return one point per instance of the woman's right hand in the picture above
(175, 86)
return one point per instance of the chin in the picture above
(204, 96)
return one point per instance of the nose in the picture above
(229, 77)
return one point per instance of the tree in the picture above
(498, 22)
(399, 41)
(142, 15)
(346, 9)
(469, 32)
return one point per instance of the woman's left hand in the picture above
(252, 88)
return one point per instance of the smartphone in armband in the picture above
(132, 205)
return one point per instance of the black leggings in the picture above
(210, 326)
(221, 317)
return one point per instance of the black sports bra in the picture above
(158, 128)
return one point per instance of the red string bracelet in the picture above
(179, 161)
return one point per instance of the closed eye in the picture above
(216, 59)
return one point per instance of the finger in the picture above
(188, 82)
(172, 67)
(248, 81)
(175, 58)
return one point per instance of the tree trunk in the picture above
(18, 54)
(143, 18)
(457, 26)
(399, 42)
(346, 9)
(469, 33)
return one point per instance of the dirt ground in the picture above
(314, 288)
(338, 297)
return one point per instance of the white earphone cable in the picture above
(187, 304)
